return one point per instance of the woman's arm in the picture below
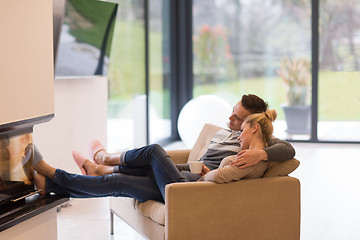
(228, 173)
(225, 174)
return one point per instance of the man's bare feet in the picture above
(89, 168)
(93, 169)
(109, 159)
(95, 146)
(100, 156)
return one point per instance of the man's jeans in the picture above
(150, 168)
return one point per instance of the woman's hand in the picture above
(204, 170)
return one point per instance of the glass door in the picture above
(339, 71)
(260, 47)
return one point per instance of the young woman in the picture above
(153, 167)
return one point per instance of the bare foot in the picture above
(100, 157)
(108, 159)
(93, 169)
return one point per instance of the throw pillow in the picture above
(277, 169)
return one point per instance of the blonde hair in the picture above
(264, 120)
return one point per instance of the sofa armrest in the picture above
(179, 156)
(265, 208)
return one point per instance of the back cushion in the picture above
(203, 141)
(278, 169)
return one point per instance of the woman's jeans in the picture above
(150, 168)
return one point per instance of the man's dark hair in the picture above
(253, 103)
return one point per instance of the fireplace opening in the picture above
(16, 167)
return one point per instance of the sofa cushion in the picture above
(152, 209)
(203, 141)
(278, 169)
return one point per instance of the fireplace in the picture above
(26, 99)
(19, 198)
(16, 166)
(27, 90)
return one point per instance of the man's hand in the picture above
(247, 158)
(204, 170)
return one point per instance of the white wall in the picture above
(80, 116)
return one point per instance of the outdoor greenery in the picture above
(339, 96)
(127, 65)
(127, 78)
(296, 76)
(337, 90)
(213, 61)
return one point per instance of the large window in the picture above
(127, 103)
(243, 47)
(302, 57)
(139, 76)
(339, 66)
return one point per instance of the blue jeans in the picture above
(151, 170)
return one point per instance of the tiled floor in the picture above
(330, 184)
(330, 199)
(90, 219)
